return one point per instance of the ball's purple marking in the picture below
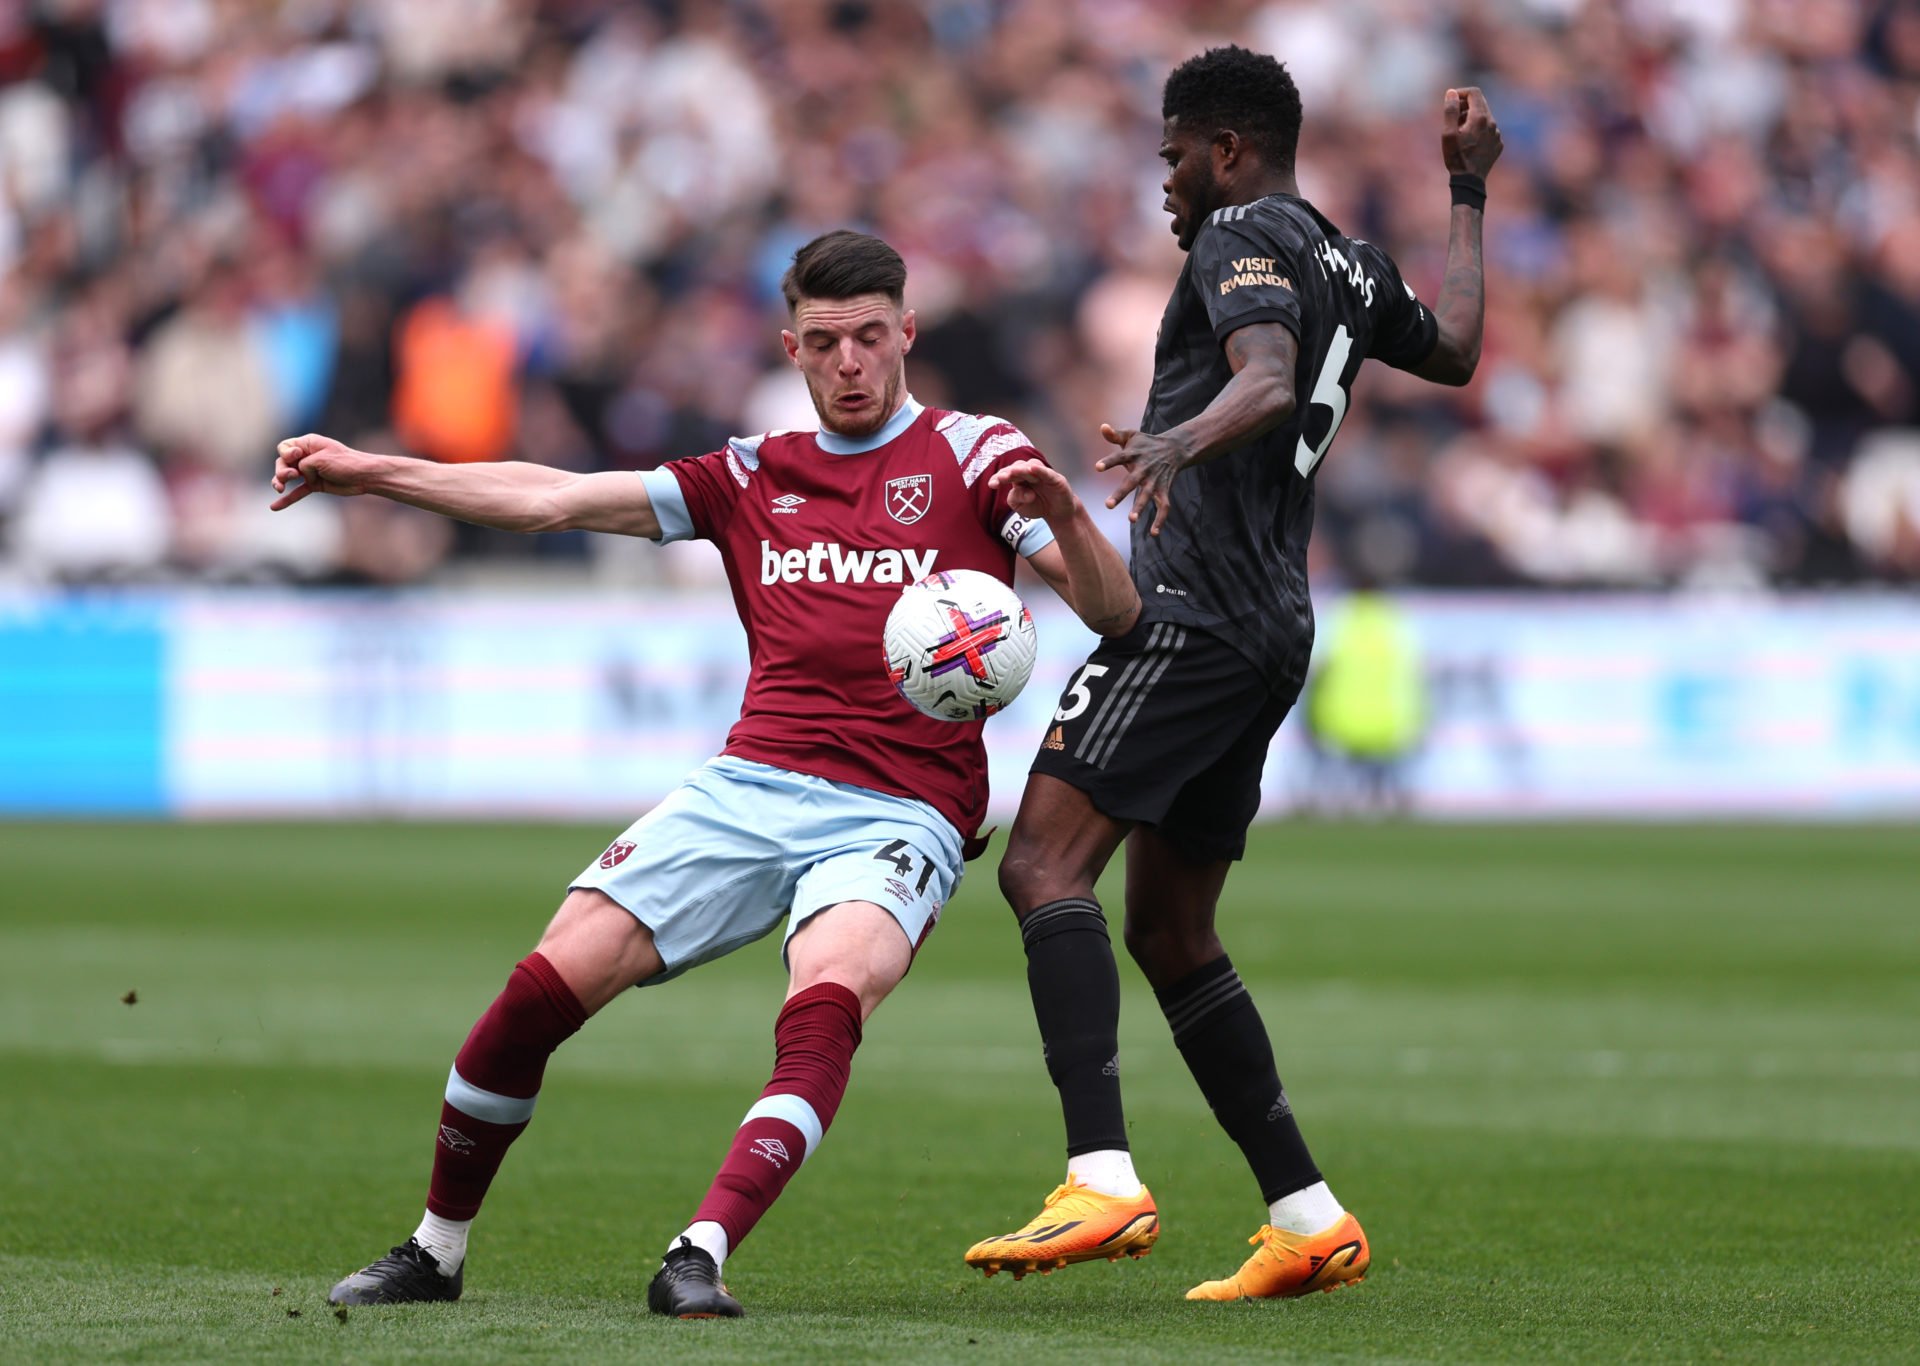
(970, 638)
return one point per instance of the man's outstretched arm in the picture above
(1081, 564)
(511, 495)
(1469, 144)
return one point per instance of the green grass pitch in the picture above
(1598, 1094)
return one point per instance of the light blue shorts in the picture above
(739, 845)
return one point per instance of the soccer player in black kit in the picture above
(1160, 737)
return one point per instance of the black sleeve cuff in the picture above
(1224, 329)
(1413, 351)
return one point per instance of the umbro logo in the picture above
(788, 502)
(773, 1150)
(454, 1139)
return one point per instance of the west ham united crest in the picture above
(616, 853)
(909, 497)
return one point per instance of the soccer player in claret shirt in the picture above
(1160, 738)
(835, 805)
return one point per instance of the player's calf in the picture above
(494, 1084)
(489, 1101)
(844, 961)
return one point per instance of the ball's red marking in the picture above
(966, 646)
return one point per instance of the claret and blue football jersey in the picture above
(819, 534)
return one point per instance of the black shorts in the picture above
(1169, 726)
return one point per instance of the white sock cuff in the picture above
(1311, 1210)
(705, 1234)
(1107, 1170)
(794, 1111)
(446, 1239)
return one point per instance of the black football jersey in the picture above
(1232, 557)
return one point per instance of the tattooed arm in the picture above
(1257, 399)
(1470, 144)
(1461, 307)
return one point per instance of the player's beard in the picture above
(867, 421)
(1206, 197)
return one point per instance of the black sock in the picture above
(1219, 1033)
(1076, 1000)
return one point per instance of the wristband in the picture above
(1469, 189)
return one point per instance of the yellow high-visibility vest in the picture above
(1369, 697)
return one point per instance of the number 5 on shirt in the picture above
(1078, 698)
(1328, 392)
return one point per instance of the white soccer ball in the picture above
(960, 645)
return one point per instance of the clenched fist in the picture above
(1469, 138)
(320, 465)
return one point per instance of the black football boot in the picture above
(687, 1286)
(407, 1275)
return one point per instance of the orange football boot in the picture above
(1077, 1224)
(1295, 1264)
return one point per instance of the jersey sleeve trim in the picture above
(743, 456)
(669, 505)
(1417, 342)
(964, 433)
(1411, 361)
(1226, 328)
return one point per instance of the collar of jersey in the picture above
(847, 445)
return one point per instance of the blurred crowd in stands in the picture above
(488, 229)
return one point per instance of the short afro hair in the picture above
(844, 265)
(1249, 93)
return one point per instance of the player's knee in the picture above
(1014, 880)
(1166, 952)
(871, 983)
(1025, 880)
(1142, 943)
(598, 947)
(855, 945)
(1034, 872)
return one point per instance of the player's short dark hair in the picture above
(844, 264)
(1249, 93)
